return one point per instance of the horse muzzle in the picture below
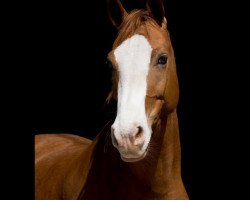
(131, 145)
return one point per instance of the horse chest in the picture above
(120, 188)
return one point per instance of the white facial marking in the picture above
(133, 58)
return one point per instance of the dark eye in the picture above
(109, 64)
(162, 60)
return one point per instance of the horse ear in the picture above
(164, 23)
(116, 12)
(156, 10)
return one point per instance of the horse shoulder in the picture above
(61, 161)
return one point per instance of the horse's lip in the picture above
(134, 159)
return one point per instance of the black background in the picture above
(70, 80)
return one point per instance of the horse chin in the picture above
(134, 159)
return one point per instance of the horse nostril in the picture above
(139, 133)
(138, 138)
(114, 140)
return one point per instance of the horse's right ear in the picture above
(156, 10)
(116, 12)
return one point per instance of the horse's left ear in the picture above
(164, 23)
(156, 10)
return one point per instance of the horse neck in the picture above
(158, 172)
(162, 165)
(163, 162)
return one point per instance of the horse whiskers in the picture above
(153, 150)
(107, 141)
(107, 136)
(113, 112)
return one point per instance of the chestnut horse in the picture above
(144, 161)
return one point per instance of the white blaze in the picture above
(133, 58)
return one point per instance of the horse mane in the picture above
(131, 23)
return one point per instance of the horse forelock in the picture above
(131, 23)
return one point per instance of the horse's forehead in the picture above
(157, 37)
(135, 43)
(135, 51)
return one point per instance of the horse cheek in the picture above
(171, 93)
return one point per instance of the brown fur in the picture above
(70, 167)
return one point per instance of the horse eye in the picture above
(162, 60)
(109, 64)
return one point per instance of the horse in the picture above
(139, 158)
